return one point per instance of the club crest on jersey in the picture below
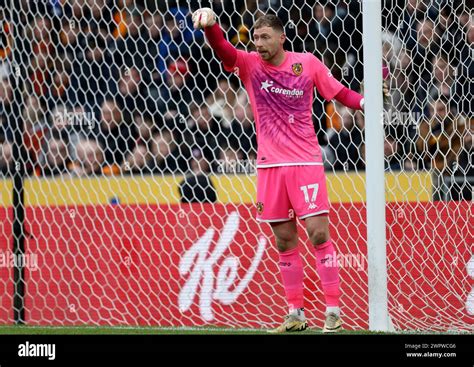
(297, 68)
(259, 207)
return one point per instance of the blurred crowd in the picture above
(129, 87)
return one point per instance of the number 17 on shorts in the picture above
(285, 192)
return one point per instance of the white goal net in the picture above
(127, 165)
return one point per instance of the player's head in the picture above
(269, 36)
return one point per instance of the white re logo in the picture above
(202, 262)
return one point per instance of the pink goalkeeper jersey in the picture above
(282, 99)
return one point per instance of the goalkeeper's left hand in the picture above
(385, 93)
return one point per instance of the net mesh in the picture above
(139, 158)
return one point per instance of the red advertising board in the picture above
(211, 264)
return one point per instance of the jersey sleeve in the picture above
(324, 82)
(242, 64)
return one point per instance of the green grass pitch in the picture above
(108, 330)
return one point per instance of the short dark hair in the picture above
(269, 20)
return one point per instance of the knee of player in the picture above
(318, 236)
(286, 242)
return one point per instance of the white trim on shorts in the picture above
(274, 220)
(312, 214)
(289, 164)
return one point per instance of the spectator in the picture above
(136, 161)
(410, 17)
(231, 161)
(205, 132)
(40, 72)
(151, 36)
(197, 187)
(102, 18)
(346, 37)
(423, 52)
(94, 75)
(426, 38)
(145, 127)
(400, 82)
(241, 38)
(440, 143)
(391, 149)
(70, 124)
(6, 158)
(138, 48)
(73, 32)
(61, 91)
(439, 137)
(176, 93)
(320, 25)
(177, 37)
(443, 78)
(154, 23)
(438, 84)
(298, 30)
(243, 136)
(35, 128)
(115, 135)
(39, 32)
(345, 145)
(56, 159)
(464, 88)
(6, 39)
(133, 93)
(463, 185)
(89, 159)
(206, 70)
(449, 144)
(39, 53)
(222, 102)
(77, 11)
(6, 98)
(166, 156)
(448, 29)
(248, 13)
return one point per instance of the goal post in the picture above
(375, 180)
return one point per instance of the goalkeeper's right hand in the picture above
(204, 17)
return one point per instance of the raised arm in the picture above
(205, 18)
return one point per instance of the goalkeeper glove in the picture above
(385, 93)
(204, 17)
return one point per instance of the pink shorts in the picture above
(289, 191)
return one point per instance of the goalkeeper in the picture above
(290, 173)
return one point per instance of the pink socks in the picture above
(291, 269)
(328, 270)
